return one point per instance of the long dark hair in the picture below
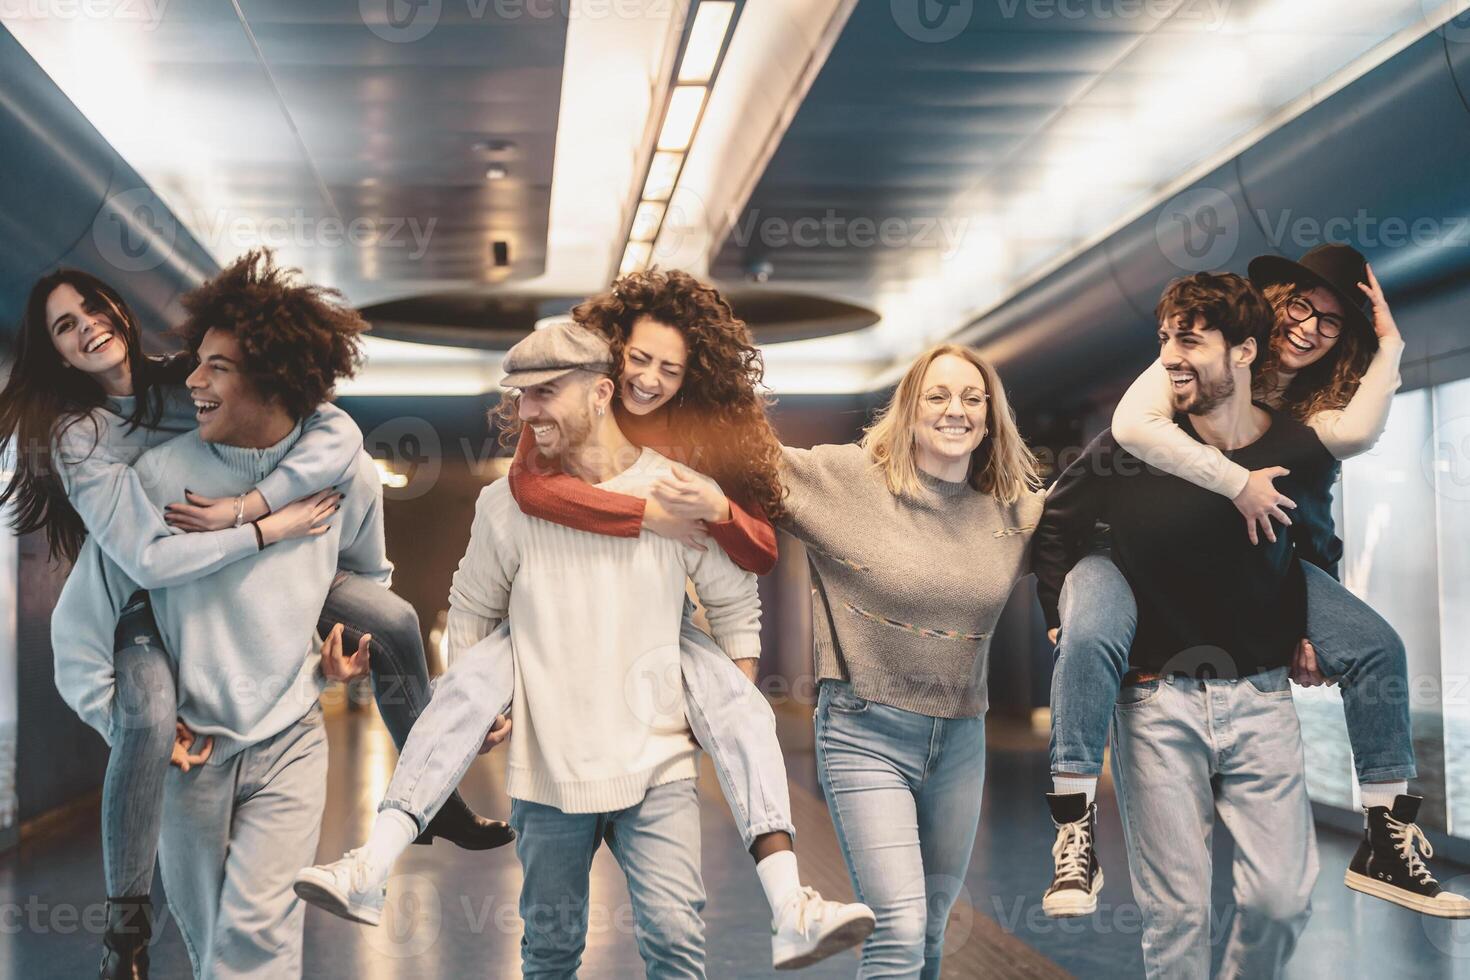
(44, 396)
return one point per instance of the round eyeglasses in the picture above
(1300, 309)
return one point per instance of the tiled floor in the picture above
(454, 912)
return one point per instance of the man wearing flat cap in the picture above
(602, 750)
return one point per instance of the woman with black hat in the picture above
(1332, 361)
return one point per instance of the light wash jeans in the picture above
(234, 836)
(144, 709)
(904, 793)
(1354, 644)
(146, 705)
(1185, 751)
(728, 715)
(655, 842)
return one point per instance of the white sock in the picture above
(779, 878)
(1062, 784)
(1381, 794)
(393, 831)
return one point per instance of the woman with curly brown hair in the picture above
(1332, 362)
(81, 404)
(688, 384)
(687, 377)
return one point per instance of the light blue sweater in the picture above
(95, 456)
(243, 638)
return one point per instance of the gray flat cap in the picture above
(554, 350)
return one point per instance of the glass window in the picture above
(1392, 542)
(1445, 462)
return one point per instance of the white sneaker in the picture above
(344, 887)
(810, 929)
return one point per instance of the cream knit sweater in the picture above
(594, 621)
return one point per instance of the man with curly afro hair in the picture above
(293, 342)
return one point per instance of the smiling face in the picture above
(1202, 366)
(950, 420)
(561, 412)
(655, 359)
(230, 407)
(1300, 345)
(83, 332)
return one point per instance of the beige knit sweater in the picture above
(905, 591)
(594, 622)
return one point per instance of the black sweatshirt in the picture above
(1210, 603)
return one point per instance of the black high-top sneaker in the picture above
(1389, 865)
(1076, 878)
(125, 943)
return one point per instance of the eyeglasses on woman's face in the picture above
(1300, 309)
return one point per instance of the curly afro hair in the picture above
(719, 415)
(297, 340)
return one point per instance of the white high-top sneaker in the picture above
(810, 929)
(345, 887)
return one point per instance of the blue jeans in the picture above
(1354, 644)
(1185, 752)
(655, 842)
(146, 705)
(144, 709)
(234, 835)
(728, 715)
(904, 793)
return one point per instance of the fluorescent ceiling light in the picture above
(635, 258)
(681, 118)
(646, 219)
(661, 176)
(706, 38)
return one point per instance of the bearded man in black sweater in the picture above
(1204, 723)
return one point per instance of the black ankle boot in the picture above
(1076, 876)
(1388, 864)
(125, 944)
(461, 826)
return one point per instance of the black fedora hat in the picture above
(1335, 268)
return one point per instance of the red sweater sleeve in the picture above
(748, 539)
(568, 501)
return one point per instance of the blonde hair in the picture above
(1002, 465)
